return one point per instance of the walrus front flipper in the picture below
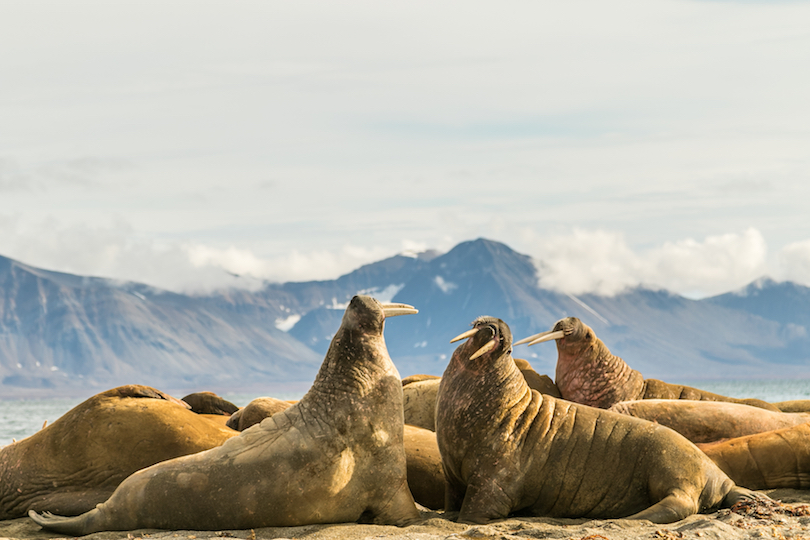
(674, 507)
(73, 526)
(400, 510)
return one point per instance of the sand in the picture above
(789, 518)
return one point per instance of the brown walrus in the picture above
(424, 465)
(425, 474)
(77, 461)
(210, 403)
(420, 393)
(256, 411)
(588, 373)
(774, 459)
(793, 405)
(335, 456)
(709, 421)
(418, 377)
(507, 448)
(419, 403)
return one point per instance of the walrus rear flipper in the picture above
(673, 507)
(73, 526)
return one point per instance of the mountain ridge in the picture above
(63, 333)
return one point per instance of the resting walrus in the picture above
(773, 459)
(709, 421)
(77, 461)
(335, 456)
(506, 448)
(588, 373)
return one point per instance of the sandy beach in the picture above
(789, 518)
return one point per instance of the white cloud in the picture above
(794, 262)
(574, 262)
(599, 261)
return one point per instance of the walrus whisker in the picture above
(391, 309)
(468, 333)
(485, 349)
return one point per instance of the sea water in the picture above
(24, 417)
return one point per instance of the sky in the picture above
(663, 143)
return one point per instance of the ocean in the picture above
(24, 417)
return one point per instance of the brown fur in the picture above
(256, 411)
(708, 421)
(335, 456)
(588, 373)
(77, 461)
(507, 448)
(774, 459)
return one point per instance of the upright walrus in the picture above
(335, 456)
(588, 373)
(507, 448)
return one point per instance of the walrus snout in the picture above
(487, 334)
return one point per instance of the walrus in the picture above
(793, 405)
(419, 403)
(588, 373)
(424, 465)
(417, 377)
(210, 403)
(506, 448)
(420, 393)
(335, 456)
(774, 459)
(709, 421)
(256, 411)
(78, 460)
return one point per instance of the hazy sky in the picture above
(657, 142)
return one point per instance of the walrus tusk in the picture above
(392, 310)
(548, 335)
(485, 349)
(468, 333)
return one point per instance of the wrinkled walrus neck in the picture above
(596, 377)
(354, 364)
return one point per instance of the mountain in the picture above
(62, 333)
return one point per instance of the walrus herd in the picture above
(489, 438)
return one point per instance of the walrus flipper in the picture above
(400, 510)
(674, 507)
(73, 526)
(739, 494)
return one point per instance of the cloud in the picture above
(116, 251)
(794, 262)
(575, 262)
(602, 262)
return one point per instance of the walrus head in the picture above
(359, 340)
(488, 335)
(367, 315)
(587, 372)
(569, 333)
